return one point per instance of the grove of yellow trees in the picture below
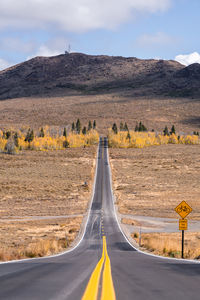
(51, 140)
(132, 139)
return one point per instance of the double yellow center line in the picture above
(107, 292)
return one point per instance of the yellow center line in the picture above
(108, 292)
(91, 291)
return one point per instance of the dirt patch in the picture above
(153, 181)
(46, 183)
(105, 109)
(130, 222)
(35, 186)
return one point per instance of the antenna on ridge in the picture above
(69, 49)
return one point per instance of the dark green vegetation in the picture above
(124, 127)
(78, 127)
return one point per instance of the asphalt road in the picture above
(135, 275)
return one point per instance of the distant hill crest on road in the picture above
(77, 73)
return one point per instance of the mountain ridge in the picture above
(78, 73)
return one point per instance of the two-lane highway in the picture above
(103, 265)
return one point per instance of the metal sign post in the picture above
(182, 255)
(183, 224)
(183, 209)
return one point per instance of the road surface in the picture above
(103, 265)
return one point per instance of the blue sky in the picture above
(165, 29)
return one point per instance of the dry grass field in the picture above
(43, 184)
(153, 181)
(169, 244)
(106, 109)
(46, 183)
(149, 181)
(26, 238)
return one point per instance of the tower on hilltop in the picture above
(69, 49)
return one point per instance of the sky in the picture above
(158, 29)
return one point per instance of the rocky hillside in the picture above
(79, 73)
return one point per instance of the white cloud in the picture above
(52, 47)
(158, 39)
(79, 15)
(44, 51)
(188, 59)
(4, 64)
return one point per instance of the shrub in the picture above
(73, 126)
(196, 133)
(41, 134)
(10, 146)
(121, 126)
(125, 127)
(89, 125)
(94, 125)
(84, 131)
(114, 128)
(166, 131)
(136, 128)
(29, 136)
(78, 126)
(128, 137)
(173, 131)
(3, 143)
(16, 140)
(7, 134)
(66, 144)
(142, 127)
(65, 132)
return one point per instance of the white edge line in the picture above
(126, 238)
(83, 234)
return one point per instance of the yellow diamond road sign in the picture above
(183, 209)
(183, 224)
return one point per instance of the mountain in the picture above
(80, 73)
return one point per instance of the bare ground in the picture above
(148, 184)
(35, 186)
(153, 181)
(106, 109)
